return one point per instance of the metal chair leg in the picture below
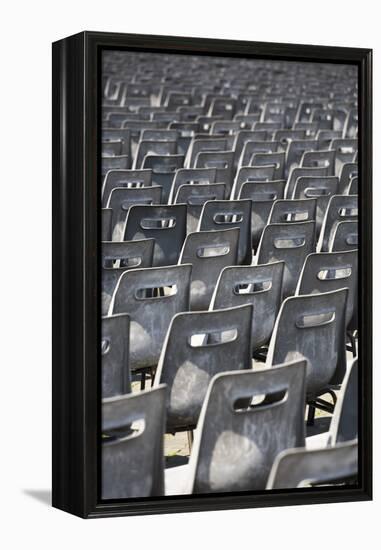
(311, 415)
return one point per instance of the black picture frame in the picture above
(76, 330)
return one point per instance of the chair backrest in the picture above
(348, 171)
(346, 150)
(300, 468)
(233, 449)
(116, 162)
(290, 243)
(251, 174)
(340, 208)
(111, 148)
(266, 159)
(216, 144)
(262, 196)
(312, 327)
(165, 224)
(344, 236)
(320, 188)
(122, 198)
(151, 297)
(353, 186)
(295, 151)
(217, 215)
(162, 147)
(163, 170)
(326, 271)
(195, 196)
(118, 257)
(116, 377)
(244, 136)
(122, 135)
(296, 173)
(124, 178)
(292, 210)
(320, 159)
(132, 445)
(191, 176)
(106, 224)
(344, 423)
(223, 162)
(259, 285)
(209, 252)
(198, 346)
(252, 147)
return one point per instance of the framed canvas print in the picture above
(212, 327)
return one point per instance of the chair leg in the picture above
(352, 341)
(311, 415)
(153, 374)
(190, 440)
(143, 380)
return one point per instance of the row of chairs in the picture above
(229, 272)
(250, 436)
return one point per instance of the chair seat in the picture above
(318, 441)
(177, 480)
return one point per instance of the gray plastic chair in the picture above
(223, 162)
(163, 169)
(111, 148)
(162, 147)
(215, 144)
(198, 346)
(151, 297)
(321, 188)
(344, 422)
(195, 196)
(122, 198)
(290, 243)
(346, 150)
(348, 171)
(327, 271)
(118, 257)
(116, 377)
(251, 174)
(243, 137)
(297, 173)
(191, 176)
(235, 444)
(301, 468)
(353, 186)
(312, 327)
(106, 224)
(325, 138)
(266, 159)
(253, 147)
(124, 178)
(209, 252)
(132, 445)
(165, 224)
(262, 196)
(217, 215)
(122, 135)
(344, 236)
(292, 210)
(320, 159)
(116, 162)
(295, 151)
(340, 208)
(259, 285)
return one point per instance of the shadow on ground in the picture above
(42, 495)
